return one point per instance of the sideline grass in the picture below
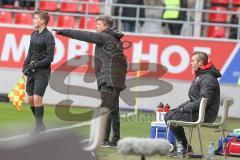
(130, 127)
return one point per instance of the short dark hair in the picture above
(107, 20)
(43, 15)
(201, 56)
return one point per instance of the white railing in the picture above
(189, 23)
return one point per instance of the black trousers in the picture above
(110, 100)
(174, 28)
(26, 3)
(177, 114)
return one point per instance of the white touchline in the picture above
(47, 131)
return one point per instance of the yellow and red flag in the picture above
(17, 94)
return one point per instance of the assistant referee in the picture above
(37, 66)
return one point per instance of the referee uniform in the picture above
(40, 55)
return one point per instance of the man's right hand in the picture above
(26, 71)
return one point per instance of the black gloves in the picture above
(58, 31)
(26, 71)
(29, 69)
(32, 66)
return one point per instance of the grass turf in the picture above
(13, 122)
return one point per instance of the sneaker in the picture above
(173, 153)
(105, 144)
(188, 151)
(113, 144)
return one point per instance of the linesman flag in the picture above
(17, 94)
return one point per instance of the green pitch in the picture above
(13, 122)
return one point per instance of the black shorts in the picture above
(37, 82)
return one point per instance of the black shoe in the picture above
(105, 144)
(114, 144)
(39, 129)
(189, 150)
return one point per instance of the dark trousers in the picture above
(110, 100)
(113, 123)
(129, 26)
(177, 114)
(26, 3)
(8, 2)
(174, 28)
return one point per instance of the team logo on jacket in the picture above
(196, 79)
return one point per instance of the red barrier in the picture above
(174, 53)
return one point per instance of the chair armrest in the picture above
(182, 123)
(211, 125)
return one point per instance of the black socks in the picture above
(39, 112)
(33, 110)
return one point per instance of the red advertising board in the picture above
(174, 53)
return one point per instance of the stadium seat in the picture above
(236, 2)
(90, 23)
(8, 6)
(47, 5)
(51, 20)
(66, 21)
(5, 17)
(23, 18)
(218, 17)
(235, 9)
(216, 31)
(69, 6)
(220, 2)
(92, 8)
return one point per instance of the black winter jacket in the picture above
(205, 85)
(110, 62)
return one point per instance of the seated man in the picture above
(206, 85)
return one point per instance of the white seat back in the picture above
(226, 104)
(202, 109)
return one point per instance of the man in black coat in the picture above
(110, 68)
(205, 85)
